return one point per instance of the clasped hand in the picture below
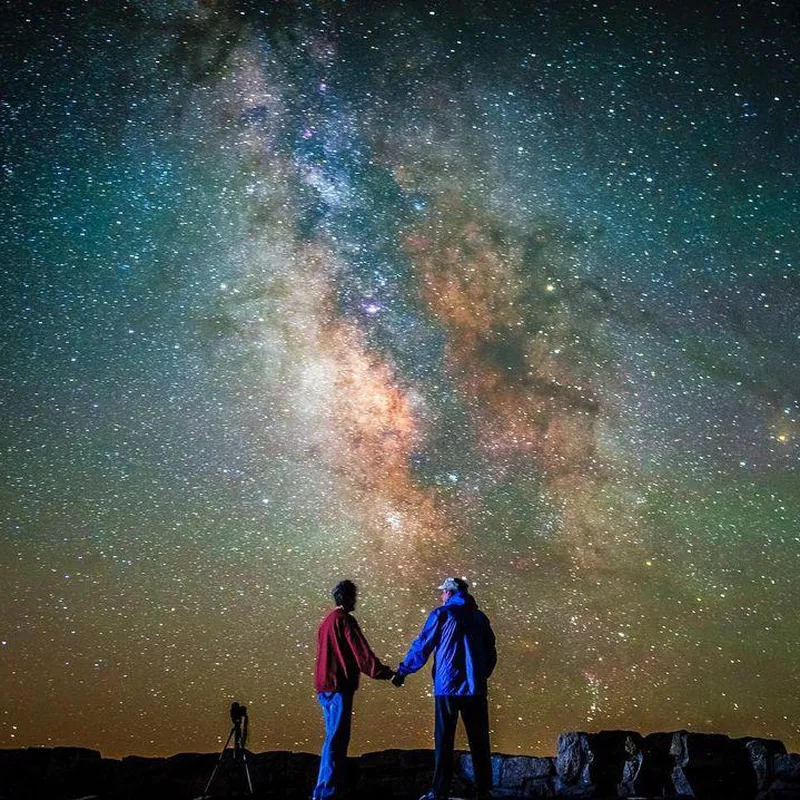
(398, 679)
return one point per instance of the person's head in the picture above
(345, 594)
(452, 586)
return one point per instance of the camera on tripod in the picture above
(238, 713)
(239, 755)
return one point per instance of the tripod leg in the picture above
(219, 761)
(247, 771)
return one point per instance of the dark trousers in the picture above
(474, 711)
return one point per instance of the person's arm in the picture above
(366, 660)
(422, 646)
(491, 649)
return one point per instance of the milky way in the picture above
(300, 291)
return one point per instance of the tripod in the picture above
(239, 735)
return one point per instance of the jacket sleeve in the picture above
(366, 660)
(422, 646)
(491, 649)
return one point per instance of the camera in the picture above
(238, 713)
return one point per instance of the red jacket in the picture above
(342, 653)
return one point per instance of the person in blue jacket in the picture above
(462, 642)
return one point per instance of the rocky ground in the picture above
(608, 764)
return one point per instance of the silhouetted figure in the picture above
(459, 635)
(342, 654)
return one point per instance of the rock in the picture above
(466, 775)
(761, 753)
(632, 768)
(573, 758)
(786, 778)
(787, 767)
(525, 776)
(516, 771)
(386, 773)
(74, 771)
(648, 770)
(269, 769)
(605, 764)
(712, 766)
(301, 772)
(512, 776)
(596, 764)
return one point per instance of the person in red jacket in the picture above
(343, 653)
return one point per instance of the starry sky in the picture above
(301, 291)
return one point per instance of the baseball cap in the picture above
(453, 585)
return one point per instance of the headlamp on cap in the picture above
(455, 585)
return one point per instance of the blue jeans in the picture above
(337, 709)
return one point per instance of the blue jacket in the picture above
(462, 641)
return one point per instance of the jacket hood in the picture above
(462, 599)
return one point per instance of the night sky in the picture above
(301, 291)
